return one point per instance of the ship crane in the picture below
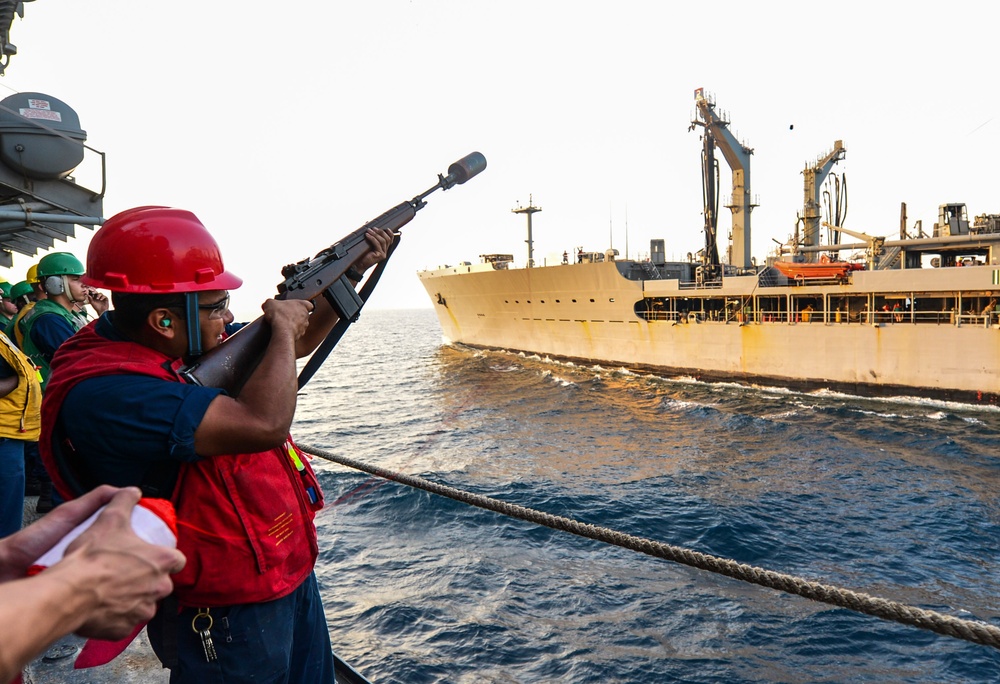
(875, 245)
(814, 178)
(711, 266)
(717, 134)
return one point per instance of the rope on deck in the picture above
(969, 630)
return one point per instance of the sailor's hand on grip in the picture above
(379, 241)
(288, 316)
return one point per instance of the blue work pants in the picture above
(11, 485)
(285, 641)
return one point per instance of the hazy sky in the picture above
(284, 126)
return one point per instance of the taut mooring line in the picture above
(968, 630)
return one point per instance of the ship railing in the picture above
(978, 320)
(693, 285)
(776, 317)
(834, 317)
(659, 315)
(863, 317)
(936, 317)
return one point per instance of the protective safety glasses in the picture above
(217, 309)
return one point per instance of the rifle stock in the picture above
(229, 365)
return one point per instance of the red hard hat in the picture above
(153, 250)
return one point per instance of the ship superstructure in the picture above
(915, 315)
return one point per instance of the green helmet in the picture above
(59, 263)
(20, 289)
(5, 289)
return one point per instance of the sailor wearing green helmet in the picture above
(20, 420)
(23, 296)
(7, 308)
(19, 403)
(55, 319)
(21, 290)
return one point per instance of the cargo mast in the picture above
(717, 134)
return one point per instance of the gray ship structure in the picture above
(831, 308)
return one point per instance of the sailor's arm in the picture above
(9, 379)
(260, 417)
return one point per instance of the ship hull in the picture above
(586, 313)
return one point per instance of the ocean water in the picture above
(895, 498)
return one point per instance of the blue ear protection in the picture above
(165, 323)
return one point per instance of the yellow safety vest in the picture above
(20, 409)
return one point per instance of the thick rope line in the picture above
(968, 630)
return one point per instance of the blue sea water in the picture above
(894, 498)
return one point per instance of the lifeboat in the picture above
(824, 269)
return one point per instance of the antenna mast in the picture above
(611, 229)
(626, 230)
(529, 210)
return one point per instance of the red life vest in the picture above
(245, 521)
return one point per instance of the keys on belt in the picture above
(202, 626)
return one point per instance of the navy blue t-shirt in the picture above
(48, 332)
(125, 423)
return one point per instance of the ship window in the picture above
(612, 300)
(517, 301)
(557, 301)
(529, 301)
(591, 301)
(574, 301)
(543, 301)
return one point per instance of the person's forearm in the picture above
(271, 391)
(321, 322)
(35, 612)
(8, 385)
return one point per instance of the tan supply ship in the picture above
(915, 316)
